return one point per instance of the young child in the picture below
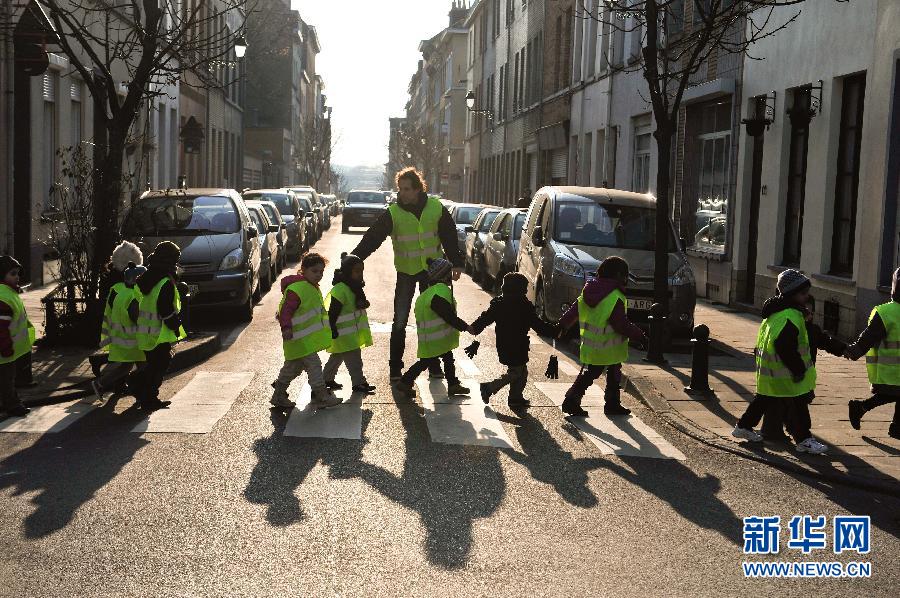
(118, 334)
(305, 332)
(601, 312)
(514, 316)
(880, 343)
(438, 328)
(347, 303)
(785, 371)
(16, 335)
(159, 321)
(773, 422)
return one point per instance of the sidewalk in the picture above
(864, 457)
(62, 373)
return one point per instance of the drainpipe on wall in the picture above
(610, 59)
(8, 71)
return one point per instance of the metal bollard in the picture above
(700, 363)
(657, 322)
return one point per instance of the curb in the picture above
(196, 353)
(649, 396)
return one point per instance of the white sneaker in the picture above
(746, 434)
(324, 401)
(812, 446)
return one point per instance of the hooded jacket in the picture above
(787, 345)
(381, 230)
(596, 291)
(514, 316)
(872, 336)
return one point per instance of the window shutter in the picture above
(49, 87)
(75, 91)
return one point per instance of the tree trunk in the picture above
(107, 197)
(663, 136)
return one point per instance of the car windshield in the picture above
(261, 227)
(466, 214)
(281, 200)
(623, 227)
(487, 221)
(270, 211)
(304, 204)
(182, 215)
(366, 197)
(517, 226)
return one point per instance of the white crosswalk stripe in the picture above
(197, 407)
(460, 419)
(618, 435)
(48, 418)
(467, 365)
(341, 421)
(566, 367)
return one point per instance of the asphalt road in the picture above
(245, 510)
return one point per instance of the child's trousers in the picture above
(423, 364)
(795, 409)
(114, 373)
(516, 377)
(586, 377)
(353, 361)
(292, 368)
(9, 398)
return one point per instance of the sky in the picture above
(369, 52)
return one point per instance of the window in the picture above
(496, 18)
(847, 184)
(50, 136)
(557, 71)
(587, 159)
(76, 116)
(713, 187)
(675, 16)
(640, 174)
(796, 185)
(515, 98)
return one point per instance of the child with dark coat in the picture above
(612, 276)
(514, 316)
(16, 335)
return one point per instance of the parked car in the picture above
(291, 214)
(332, 203)
(476, 233)
(220, 253)
(463, 215)
(281, 236)
(569, 230)
(311, 218)
(502, 245)
(268, 246)
(321, 221)
(363, 208)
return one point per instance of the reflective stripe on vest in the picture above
(435, 336)
(415, 239)
(309, 324)
(600, 343)
(118, 335)
(151, 330)
(883, 361)
(21, 331)
(773, 377)
(352, 323)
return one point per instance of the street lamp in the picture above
(470, 106)
(240, 47)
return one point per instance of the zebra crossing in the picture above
(458, 420)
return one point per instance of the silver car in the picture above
(502, 245)
(463, 215)
(570, 230)
(476, 234)
(268, 246)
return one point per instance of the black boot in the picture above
(615, 409)
(396, 370)
(894, 431)
(485, 392)
(332, 385)
(572, 406)
(857, 410)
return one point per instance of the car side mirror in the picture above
(274, 228)
(498, 236)
(537, 236)
(470, 229)
(252, 232)
(283, 226)
(310, 213)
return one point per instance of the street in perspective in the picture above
(450, 298)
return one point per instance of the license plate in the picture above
(640, 304)
(193, 289)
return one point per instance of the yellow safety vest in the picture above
(600, 344)
(352, 323)
(415, 239)
(20, 329)
(435, 335)
(311, 332)
(151, 331)
(883, 361)
(773, 378)
(118, 334)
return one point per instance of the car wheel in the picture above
(539, 306)
(498, 282)
(245, 311)
(266, 283)
(257, 293)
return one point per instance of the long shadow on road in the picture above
(66, 469)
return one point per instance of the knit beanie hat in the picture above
(514, 284)
(348, 262)
(439, 269)
(7, 264)
(165, 256)
(792, 281)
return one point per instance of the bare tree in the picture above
(316, 147)
(127, 53)
(418, 147)
(674, 49)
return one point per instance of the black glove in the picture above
(472, 349)
(334, 332)
(552, 368)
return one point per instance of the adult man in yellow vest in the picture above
(880, 343)
(16, 335)
(420, 229)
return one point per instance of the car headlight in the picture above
(232, 260)
(568, 266)
(683, 276)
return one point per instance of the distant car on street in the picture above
(502, 245)
(463, 215)
(322, 219)
(476, 234)
(363, 208)
(292, 215)
(281, 237)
